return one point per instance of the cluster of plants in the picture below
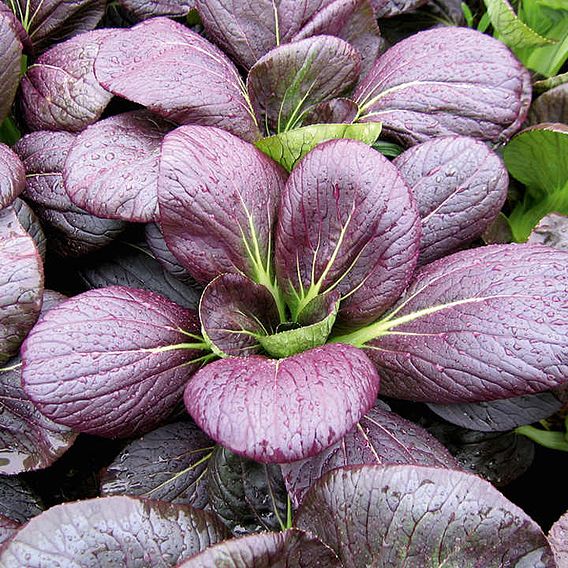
(282, 283)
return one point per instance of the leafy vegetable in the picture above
(557, 538)
(12, 176)
(144, 9)
(551, 106)
(552, 231)
(10, 55)
(17, 505)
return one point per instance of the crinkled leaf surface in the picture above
(347, 222)
(111, 362)
(126, 264)
(558, 539)
(112, 167)
(499, 415)
(72, 230)
(406, 514)
(295, 76)
(177, 74)
(551, 231)
(60, 91)
(21, 33)
(169, 464)
(218, 197)
(30, 222)
(389, 8)
(17, 505)
(335, 111)
(10, 56)
(481, 90)
(551, 106)
(21, 283)
(12, 176)
(381, 437)
(288, 147)
(247, 496)
(459, 185)
(479, 325)
(276, 411)
(113, 531)
(233, 312)
(144, 9)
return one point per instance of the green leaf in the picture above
(9, 133)
(550, 83)
(552, 440)
(467, 15)
(388, 149)
(538, 158)
(288, 147)
(484, 22)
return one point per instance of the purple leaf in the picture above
(481, 90)
(277, 411)
(218, 196)
(145, 9)
(551, 231)
(168, 464)
(113, 531)
(381, 437)
(292, 77)
(348, 222)
(389, 8)
(291, 548)
(17, 505)
(72, 230)
(10, 56)
(21, 33)
(21, 283)
(335, 111)
(30, 223)
(111, 170)
(60, 91)
(12, 176)
(459, 185)
(551, 106)
(111, 362)
(421, 516)
(479, 325)
(233, 310)
(558, 539)
(177, 74)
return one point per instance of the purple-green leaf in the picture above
(10, 56)
(177, 74)
(407, 515)
(112, 361)
(459, 185)
(12, 176)
(481, 90)
(112, 167)
(277, 411)
(551, 106)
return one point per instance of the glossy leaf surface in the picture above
(17, 505)
(12, 176)
(551, 231)
(10, 55)
(558, 538)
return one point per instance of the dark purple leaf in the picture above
(217, 195)
(72, 231)
(551, 231)
(12, 176)
(177, 74)
(21, 283)
(347, 222)
(381, 437)
(479, 325)
(551, 106)
(169, 464)
(60, 91)
(558, 539)
(17, 505)
(459, 185)
(124, 264)
(8, 528)
(10, 56)
(30, 222)
(233, 311)
(335, 111)
(145, 9)
(499, 415)
(389, 8)
(276, 411)
(111, 362)
(292, 77)
(21, 33)
(111, 170)
(408, 515)
(499, 232)
(481, 90)
(113, 531)
(247, 496)
(288, 549)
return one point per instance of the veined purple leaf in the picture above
(17, 505)
(277, 411)
(347, 222)
(12, 176)
(459, 185)
(335, 111)
(60, 91)
(109, 531)
(21, 283)
(479, 325)
(247, 496)
(481, 90)
(169, 464)
(292, 77)
(292, 548)
(218, 197)
(72, 230)
(30, 223)
(112, 361)
(421, 516)
(21, 33)
(558, 539)
(389, 8)
(145, 9)
(112, 167)
(233, 312)
(499, 415)
(551, 106)
(10, 56)
(177, 74)
(381, 437)
(551, 231)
